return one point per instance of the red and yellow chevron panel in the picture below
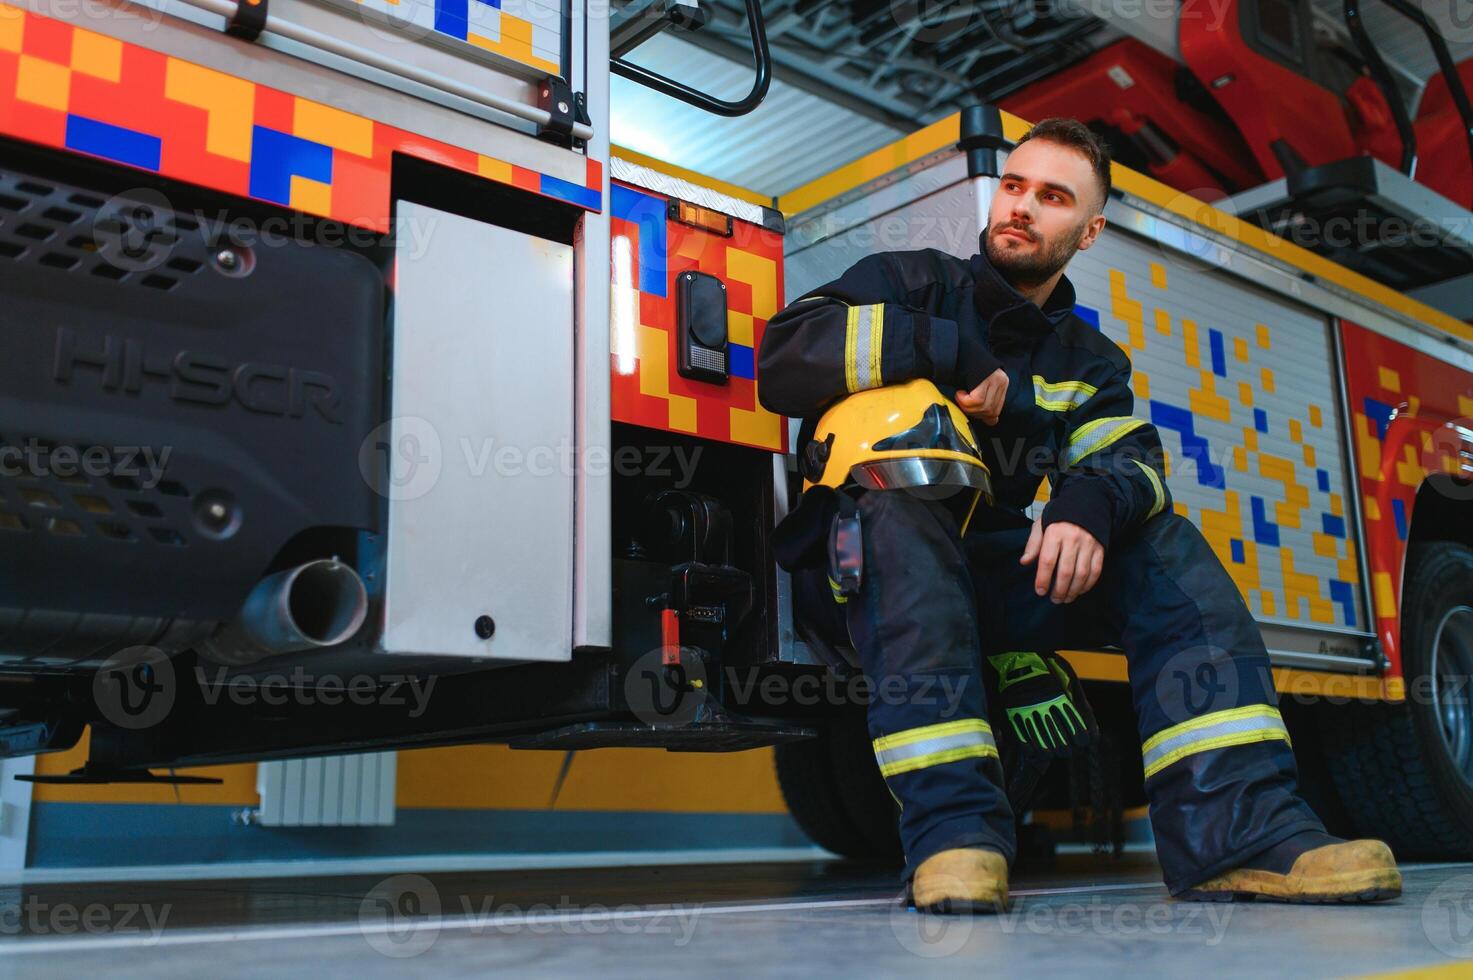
(73, 89)
(1400, 403)
(649, 251)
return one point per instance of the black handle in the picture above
(1387, 84)
(699, 99)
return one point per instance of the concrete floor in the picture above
(1086, 917)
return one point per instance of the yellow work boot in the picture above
(961, 881)
(1347, 871)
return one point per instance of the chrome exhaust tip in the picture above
(319, 604)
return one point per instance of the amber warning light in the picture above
(698, 217)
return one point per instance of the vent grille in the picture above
(72, 491)
(135, 239)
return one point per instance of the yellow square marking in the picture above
(312, 196)
(333, 127)
(1245, 394)
(97, 55)
(1385, 595)
(1296, 431)
(1240, 459)
(229, 104)
(739, 328)
(1316, 418)
(1389, 379)
(1189, 343)
(1465, 406)
(1250, 440)
(12, 28)
(1337, 505)
(760, 273)
(1180, 508)
(757, 428)
(43, 83)
(493, 169)
(1325, 546)
(1309, 456)
(1270, 608)
(1263, 338)
(1158, 275)
(1163, 323)
(1240, 348)
(1266, 380)
(1373, 509)
(1141, 385)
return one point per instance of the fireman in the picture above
(927, 588)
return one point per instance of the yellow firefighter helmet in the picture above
(899, 436)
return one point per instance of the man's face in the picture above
(1043, 212)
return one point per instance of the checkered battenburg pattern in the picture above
(73, 89)
(647, 389)
(1243, 396)
(1400, 402)
(526, 31)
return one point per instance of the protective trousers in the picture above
(1220, 774)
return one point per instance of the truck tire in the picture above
(835, 793)
(1405, 770)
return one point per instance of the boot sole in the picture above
(1357, 887)
(963, 906)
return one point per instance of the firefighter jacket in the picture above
(895, 316)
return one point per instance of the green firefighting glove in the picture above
(1043, 702)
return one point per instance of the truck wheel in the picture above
(1405, 771)
(835, 793)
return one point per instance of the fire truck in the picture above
(340, 342)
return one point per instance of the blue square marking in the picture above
(1332, 525)
(1399, 513)
(1260, 420)
(111, 142)
(1088, 315)
(1236, 544)
(1323, 476)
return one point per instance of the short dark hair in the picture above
(1076, 135)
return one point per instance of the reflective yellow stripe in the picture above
(888, 769)
(934, 745)
(1060, 396)
(1220, 729)
(1094, 436)
(851, 351)
(876, 338)
(910, 735)
(1155, 485)
(839, 597)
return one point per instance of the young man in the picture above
(1108, 561)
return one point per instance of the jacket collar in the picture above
(1007, 312)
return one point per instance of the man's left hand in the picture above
(1068, 556)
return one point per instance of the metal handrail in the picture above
(699, 99)
(326, 42)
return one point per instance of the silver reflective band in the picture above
(1061, 396)
(1220, 729)
(934, 745)
(1094, 436)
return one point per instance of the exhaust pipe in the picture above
(319, 604)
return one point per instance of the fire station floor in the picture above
(1088, 916)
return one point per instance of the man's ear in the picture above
(1092, 230)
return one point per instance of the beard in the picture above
(1030, 269)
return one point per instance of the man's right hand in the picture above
(984, 402)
